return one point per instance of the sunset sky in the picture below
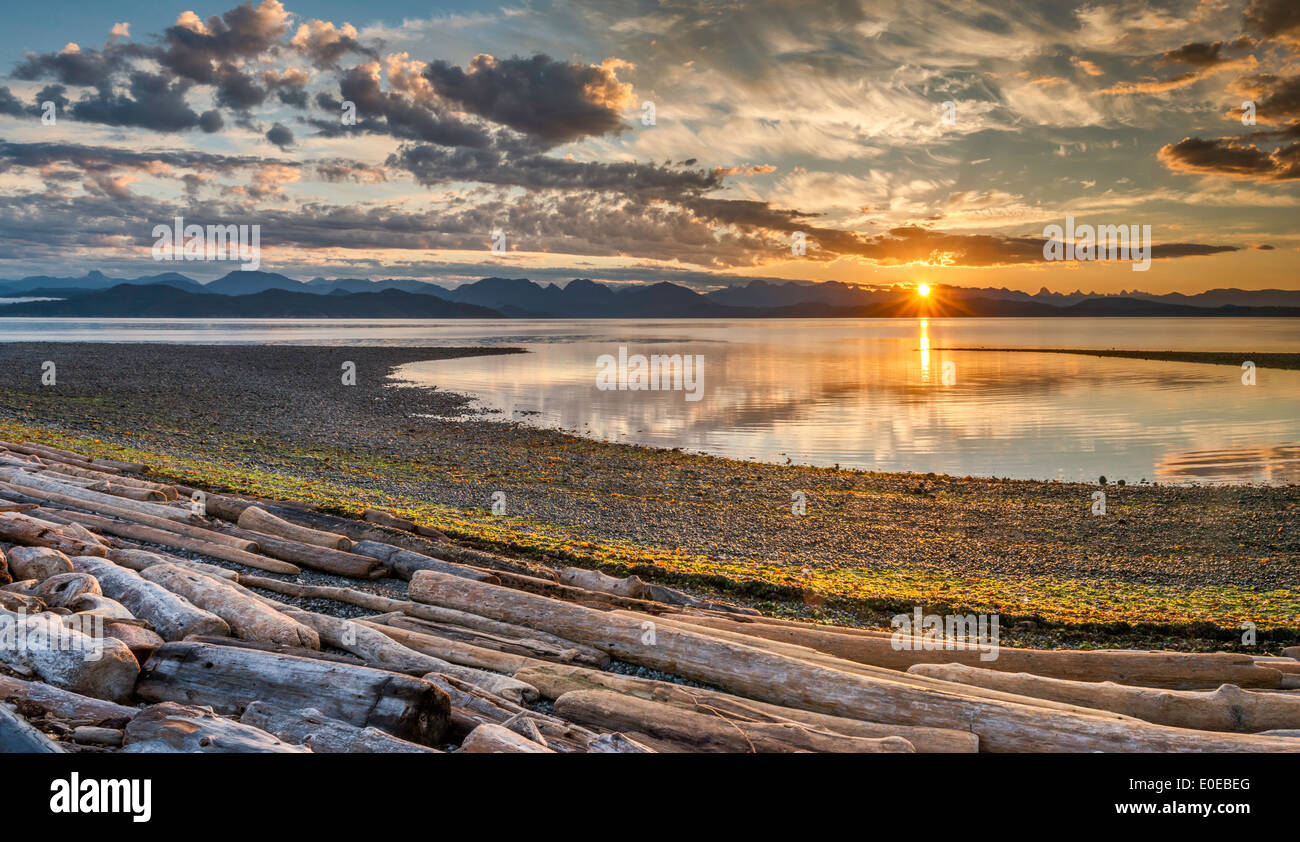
(770, 118)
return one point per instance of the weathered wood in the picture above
(167, 538)
(169, 727)
(41, 645)
(137, 560)
(570, 651)
(93, 735)
(316, 557)
(771, 677)
(63, 704)
(17, 736)
(172, 616)
(100, 606)
(24, 480)
(1292, 652)
(1174, 670)
(259, 520)
(691, 731)
(554, 680)
(1228, 708)
(617, 744)
(495, 739)
(323, 735)
(248, 617)
(178, 526)
(405, 562)
(594, 580)
(65, 587)
(230, 678)
(524, 647)
(33, 532)
(20, 602)
(451, 650)
(38, 563)
(142, 642)
(5, 576)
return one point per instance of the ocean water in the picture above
(875, 394)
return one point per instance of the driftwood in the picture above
(615, 743)
(171, 727)
(248, 617)
(323, 735)
(5, 576)
(17, 736)
(1175, 670)
(25, 480)
(229, 678)
(691, 731)
(496, 739)
(259, 520)
(167, 538)
(450, 650)
(172, 616)
(142, 642)
(33, 532)
(63, 704)
(137, 560)
(528, 647)
(316, 557)
(93, 735)
(570, 652)
(41, 645)
(39, 563)
(1002, 725)
(99, 606)
(1228, 708)
(167, 524)
(405, 562)
(554, 680)
(20, 602)
(65, 587)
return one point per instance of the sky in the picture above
(918, 141)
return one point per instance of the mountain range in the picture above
(245, 294)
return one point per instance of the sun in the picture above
(923, 290)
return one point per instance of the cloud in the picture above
(281, 136)
(1233, 159)
(551, 100)
(1278, 19)
(324, 43)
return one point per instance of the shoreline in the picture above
(1170, 561)
(1273, 360)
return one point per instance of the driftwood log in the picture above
(18, 736)
(39, 563)
(63, 704)
(259, 520)
(323, 735)
(40, 644)
(229, 678)
(171, 727)
(497, 739)
(689, 731)
(1228, 708)
(23, 529)
(173, 616)
(247, 616)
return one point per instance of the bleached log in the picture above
(1292, 652)
(172, 616)
(495, 739)
(176, 525)
(5, 576)
(22, 479)
(460, 657)
(167, 538)
(323, 735)
(569, 651)
(18, 736)
(40, 644)
(690, 731)
(260, 520)
(99, 605)
(138, 560)
(92, 735)
(1174, 670)
(554, 680)
(33, 532)
(405, 562)
(1002, 725)
(338, 562)
(39, 563)
(230, 678)
(64, 704)
(170, 728)
(248, 617)
(141, 641)
(20, 602)
(594, 580)
(1228, 708)
(617, 744)
(63, 587)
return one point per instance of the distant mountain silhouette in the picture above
(250, 294)
(161, 301)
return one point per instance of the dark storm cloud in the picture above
(554, 101)
(1225, 156)
(1200, 54)
(153, 103)
(380, 111)
(1274, 19)
(280, 135)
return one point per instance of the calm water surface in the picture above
(865, 393)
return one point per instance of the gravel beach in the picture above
(1215, 553)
